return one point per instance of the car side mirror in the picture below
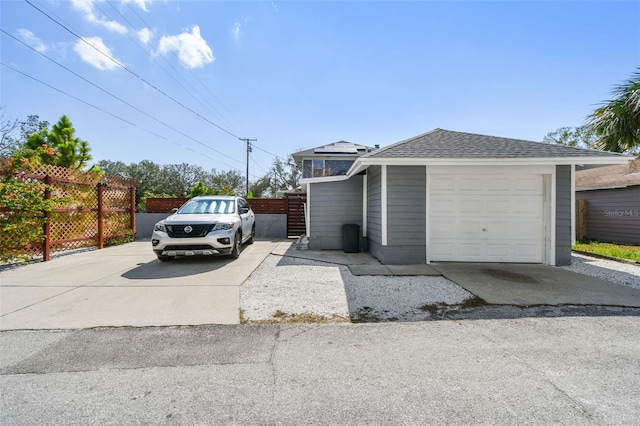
(244, 210)
(174, 210)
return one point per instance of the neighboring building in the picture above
(613, 202)
(452, 196)
(333, 159)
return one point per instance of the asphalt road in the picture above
(568, 370)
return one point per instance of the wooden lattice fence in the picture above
(99, 210)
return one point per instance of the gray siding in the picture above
(331, 205)
(563, 215)
(406, 215)
(374, 211)
(613, 215)
(374, 204)
(406, 206)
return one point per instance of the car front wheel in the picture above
(237, 246)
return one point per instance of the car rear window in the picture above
(208, 207)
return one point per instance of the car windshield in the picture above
(208, 207)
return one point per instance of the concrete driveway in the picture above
(530, 285)
(127, 286)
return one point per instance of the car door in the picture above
(246, 218)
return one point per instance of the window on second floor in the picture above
(322, 168)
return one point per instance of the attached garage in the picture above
(486, 218)
(448, 196)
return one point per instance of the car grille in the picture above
(189, 247)
(178, 231)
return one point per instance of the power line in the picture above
(132, 72)
(112, 115)
(118, 98)
(192, 92)
(199, 81)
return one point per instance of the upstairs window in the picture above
(322, 168)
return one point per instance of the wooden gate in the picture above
(294, 205)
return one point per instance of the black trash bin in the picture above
(351, 238)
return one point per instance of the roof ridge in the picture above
(385, 148)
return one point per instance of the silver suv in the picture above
(205, 225)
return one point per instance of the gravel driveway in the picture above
(287, 288)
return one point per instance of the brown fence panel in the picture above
(100, 209)
(268, 205)
(164, 205)
(296, 225)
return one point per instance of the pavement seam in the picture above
(591, 417)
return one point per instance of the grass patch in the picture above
(473, 302)
(609, 249)
(280, 317)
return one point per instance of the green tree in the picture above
(616, 123)
(230, 182)
(262, 187)
(178, 179)
(72, 151)
(579, 137)
(201, 189)
(14, 132)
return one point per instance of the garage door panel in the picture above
(470, 185)
(529, 185)
(442, 205)
(497, 184)
(503, 223)
(497, 250)
(528, 206)
(470, 206)
(443, 250)
(442, 228)
(442, 184)
(471, 250)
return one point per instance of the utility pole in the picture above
(249, 149)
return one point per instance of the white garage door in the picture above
(480, 218)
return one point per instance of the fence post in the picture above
(46, 246)
(581, 220)
(286, 210)
(100, 218)
(132, 209)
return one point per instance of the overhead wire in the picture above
(201, 83)
(132, 72)
(120, 99)
(192, 92)
(210, 93)
(114, 115)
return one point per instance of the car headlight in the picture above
(222, 226)
(160, 227)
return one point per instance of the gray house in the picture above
(612, 196)
(452, 196)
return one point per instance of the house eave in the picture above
(339, 178)
(362, 163)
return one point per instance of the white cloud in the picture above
(93, 57)
(192, 50)
(142, 4)
(235, 31)
(86, 7)
(30, 38)
(144, 35)
(274, 6)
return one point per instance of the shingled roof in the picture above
(619, 176)
(441, 143)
